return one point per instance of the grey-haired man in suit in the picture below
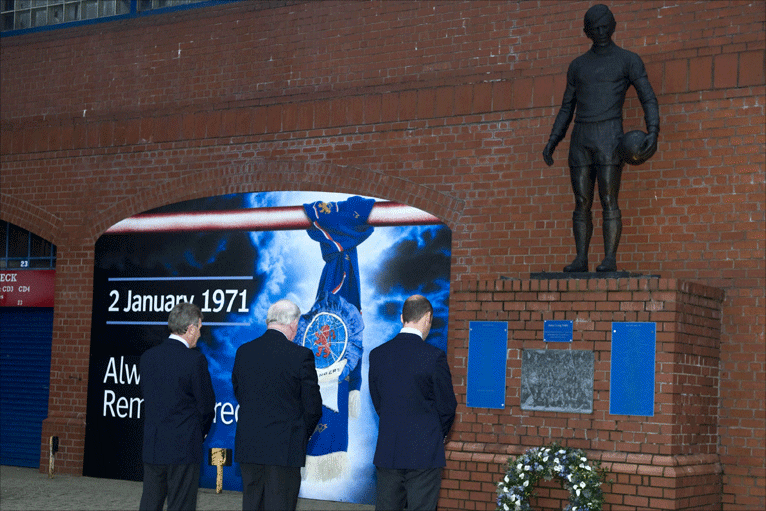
(275, 383)
(179, 406)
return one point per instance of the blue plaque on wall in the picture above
(557, 331)
(487, 356)
(631, 386)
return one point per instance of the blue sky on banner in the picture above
(394, 263)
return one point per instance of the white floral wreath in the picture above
(577, 475)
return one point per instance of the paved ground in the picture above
(25, 489)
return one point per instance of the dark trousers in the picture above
(269, 487)
(178, 483)
(411, 489)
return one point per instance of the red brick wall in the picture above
(445, 106)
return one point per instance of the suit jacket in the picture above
(275, 383)
(179, 403)
(411, 389)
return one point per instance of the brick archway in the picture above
(32, 218)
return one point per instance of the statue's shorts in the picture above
(595, 144)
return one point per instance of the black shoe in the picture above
(579, 265)
(608, 264)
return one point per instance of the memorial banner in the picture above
(234, 256)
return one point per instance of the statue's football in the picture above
(631, 146)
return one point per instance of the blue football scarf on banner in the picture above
(333, 329)
(340, 227)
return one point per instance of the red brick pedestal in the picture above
(667, 461)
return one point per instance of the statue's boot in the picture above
(612, 228)
(582, 228)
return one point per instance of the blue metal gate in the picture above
(25, 367)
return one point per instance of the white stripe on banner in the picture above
(284, 218)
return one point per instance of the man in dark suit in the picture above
(179, 405)
(411, 389)
(275, 383)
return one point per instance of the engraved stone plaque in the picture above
(557, 380)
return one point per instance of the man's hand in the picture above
(649, 147)
(548, 152)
